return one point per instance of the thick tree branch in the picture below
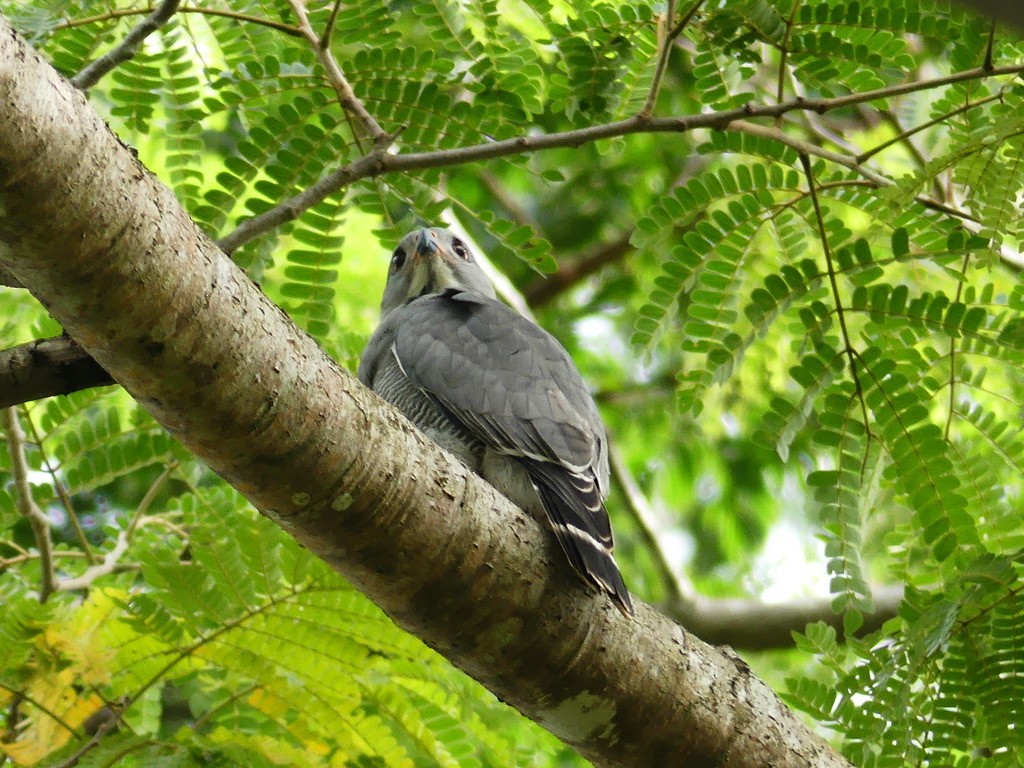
(756, 626)
(47, 367)
(1001, 10)
(229, 375)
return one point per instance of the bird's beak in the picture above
(426, 244)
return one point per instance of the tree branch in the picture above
(231, 377)
(93, 72)
(27, 506)
(346, 96)
(379, 163)
(47, 367)
(752, 625)
(544, 289)
(122, 12)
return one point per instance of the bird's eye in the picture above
(397, 259)
(460, 248)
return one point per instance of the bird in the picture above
(499, 392)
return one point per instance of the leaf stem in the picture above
(805, 160)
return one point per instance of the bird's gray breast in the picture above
(390, 382)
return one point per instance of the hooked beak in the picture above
(426, 245)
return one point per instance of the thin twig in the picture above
(904, 135)
(85, 21)
(806, 148)
(62, 494)
(106, 566)
(27, 504)
(325, 38)
(677, 584)
(147, 500)
(780, 88)
(952, 353)
(379, 163)
(346, 96)
(850, 352)
(111, 561)
(668, 35)
(92, 73)
(987, 64)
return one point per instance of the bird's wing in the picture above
(509, 383)
(502, 376)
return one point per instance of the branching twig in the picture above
(147, 500)
(904, 135)
(92, 73)
(27, 504)
(111, 561)
(380, 163)
(346, 96)
(104, 567)
(62, 494)
(668, 35)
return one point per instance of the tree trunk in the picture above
(110, 253)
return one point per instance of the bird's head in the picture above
(429, 261)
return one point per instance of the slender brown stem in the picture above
(780, 86)
(27, 505)
(91, 74)
(379, 163)
(62, 494)
(668, 35)
(325, 38)
(952, 355)
(286, 29)
(346, 96)
(805, 160)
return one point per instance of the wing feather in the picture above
(512, 386)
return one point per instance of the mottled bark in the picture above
(161, 308)
(47, 367)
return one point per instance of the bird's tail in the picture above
(578, 517)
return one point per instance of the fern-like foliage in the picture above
(864, 343)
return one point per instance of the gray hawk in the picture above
(499, 392)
